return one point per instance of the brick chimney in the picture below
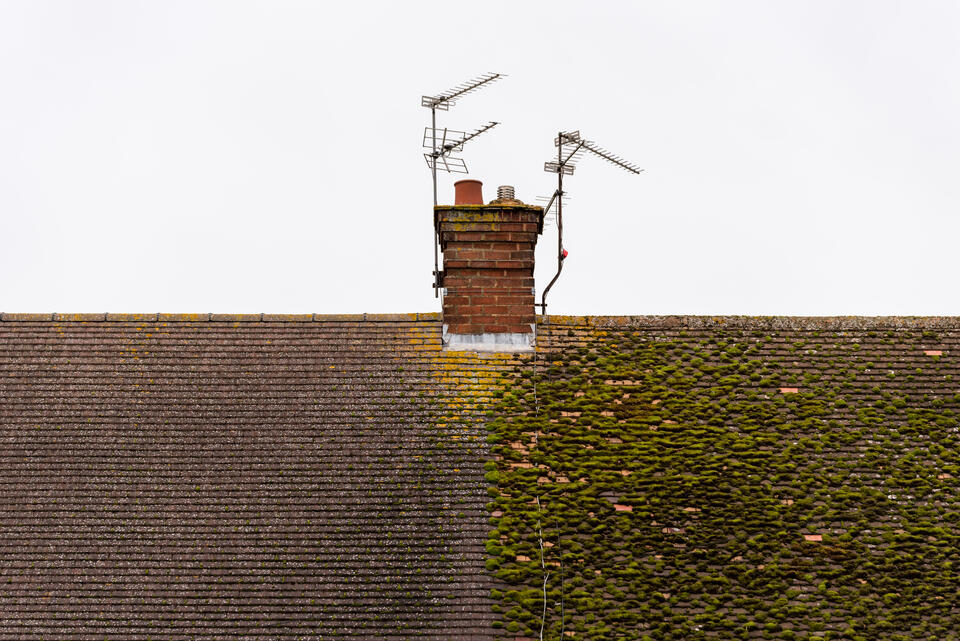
(488, 269)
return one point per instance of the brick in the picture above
(483, 300)
(516, 286)
(490, 310)
(471, 311)
(457, 298)
(466, 328)
(486, 264)
(517, 309)
(497, 254)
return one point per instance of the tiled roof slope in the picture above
(731, 478)
(256, 477)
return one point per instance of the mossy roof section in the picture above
(242, 476)
(730, 478)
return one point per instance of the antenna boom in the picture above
(616, 160)
(487, 127)
(448, 98)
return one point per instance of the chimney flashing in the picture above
(498, 342)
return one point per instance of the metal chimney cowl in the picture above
(506, 196)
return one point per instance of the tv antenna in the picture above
(443, 142)
(570, 148)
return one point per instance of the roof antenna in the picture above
(570, 148)
(442, 142)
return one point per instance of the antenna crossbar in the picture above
(558, 168)
(447, 164)
(444, 139)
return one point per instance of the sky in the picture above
(801, 158)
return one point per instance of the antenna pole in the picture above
(559, 197)
(436, 232)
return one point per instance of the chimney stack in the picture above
(488, 253)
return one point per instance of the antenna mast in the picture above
(570, 148)
(442, 142)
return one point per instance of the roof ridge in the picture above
(808, 323)
(801, 323)
(213, 317)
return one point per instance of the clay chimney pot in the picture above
(468, 192)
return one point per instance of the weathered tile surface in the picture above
(224, 477)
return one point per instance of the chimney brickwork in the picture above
(488, 259)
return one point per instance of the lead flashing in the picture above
(514, 342)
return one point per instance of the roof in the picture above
(215, 476)
(178, 476)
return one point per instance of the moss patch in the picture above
(684, 495)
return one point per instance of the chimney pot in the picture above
(468, 192)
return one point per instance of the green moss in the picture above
(676, 485)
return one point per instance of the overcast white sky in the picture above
(801, 157)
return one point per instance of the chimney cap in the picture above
(505, 196)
